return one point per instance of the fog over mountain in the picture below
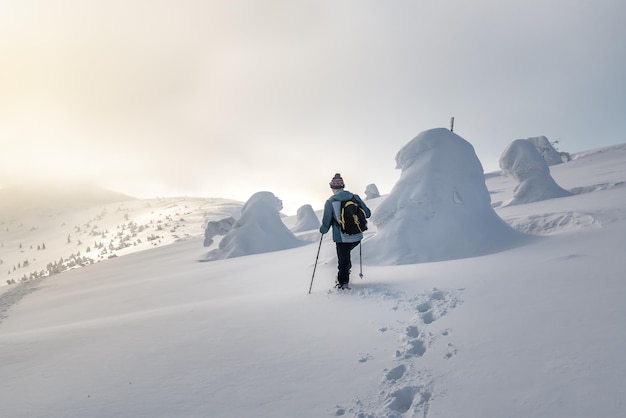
(31, 198)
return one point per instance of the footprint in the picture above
(412, 331)
(438, 295)
(417, 348)
(413, 348)
(396, 373)
(423, 307)
(406, 388)
(411, 397)
(428, 317)
(402, 399)
(437, 305)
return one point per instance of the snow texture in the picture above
(258, 230)
(440, 208)
(524, 163)
(306, 219)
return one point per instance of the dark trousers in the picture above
(344, 262)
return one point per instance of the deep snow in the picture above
(535, 330)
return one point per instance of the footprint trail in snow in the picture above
(407, 387)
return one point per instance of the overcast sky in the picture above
(227, 98)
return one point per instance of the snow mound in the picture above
(597, 187)
(547, 151)
(524, 163)
(371, 191)
(306, 219)
(258, 230)
(440, 207)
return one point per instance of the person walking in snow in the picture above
(344, 242)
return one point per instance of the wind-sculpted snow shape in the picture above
(371, 191)
(547, 151)
(221, 227)
(440, 207)
(258, 230)
(306, 219)
(524, 163)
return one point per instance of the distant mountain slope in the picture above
(54, 235)
(17, 200)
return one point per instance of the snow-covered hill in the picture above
(531, 331)
(46, 235)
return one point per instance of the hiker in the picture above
(344, 242)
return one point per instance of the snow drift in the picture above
(440, 207)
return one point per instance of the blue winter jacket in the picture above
(332, 210)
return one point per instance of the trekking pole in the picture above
(361, 259)
(316, 257)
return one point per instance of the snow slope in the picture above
(44, 241)
(534, 330)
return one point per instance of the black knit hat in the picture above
(337, 182)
